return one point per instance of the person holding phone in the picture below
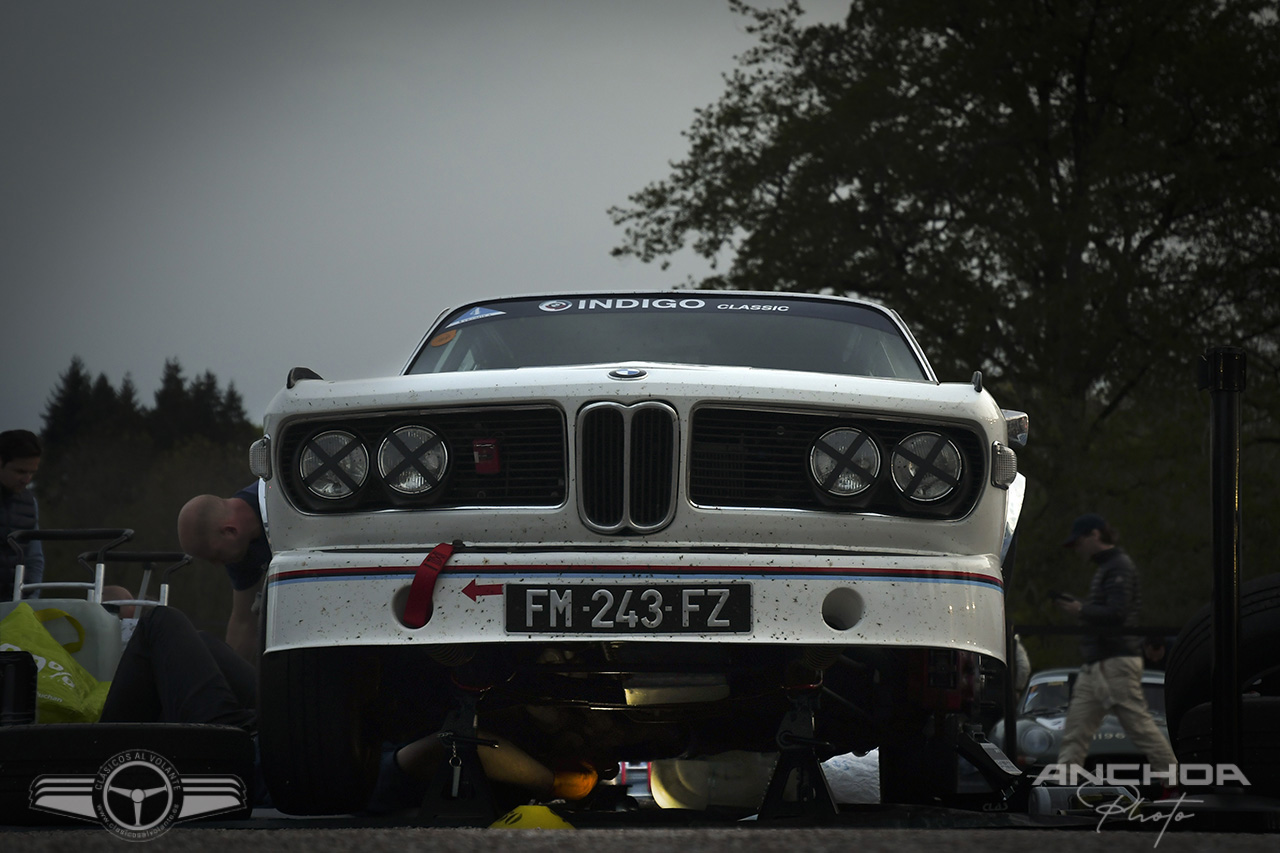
(1110, 680)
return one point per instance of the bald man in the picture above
(231, 531)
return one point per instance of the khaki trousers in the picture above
(1113, 685)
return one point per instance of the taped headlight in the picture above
(412, 460)
(844, 461)
(333, 464)
(926, 466)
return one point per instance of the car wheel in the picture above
(736, 779)
(1260, 731)
(320, 754)
(1189, 673)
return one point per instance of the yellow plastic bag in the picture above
(65, 691)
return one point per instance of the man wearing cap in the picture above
(1111, 679)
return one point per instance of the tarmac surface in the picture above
(866, 828)
(636, 823)
(649, 840)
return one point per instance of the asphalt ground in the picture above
(648, 840)
(618, 822)
(1233, 826)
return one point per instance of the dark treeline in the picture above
(111, 461)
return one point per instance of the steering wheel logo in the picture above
(138, 795)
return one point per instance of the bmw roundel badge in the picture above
(627, 373)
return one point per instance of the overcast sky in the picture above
(250, 185)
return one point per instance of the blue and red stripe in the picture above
(406, 573)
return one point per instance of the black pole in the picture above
(1223, 375)
(1010, 699)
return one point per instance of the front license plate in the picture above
(628, 608)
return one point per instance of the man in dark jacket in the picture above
(1111, 679)
(19, 458)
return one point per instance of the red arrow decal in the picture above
(474, 590)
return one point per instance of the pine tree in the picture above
(233, 422)
(169, 421)
(65, 411)
(129, 410)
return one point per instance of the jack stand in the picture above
(799, 755)
(458, 794)
(1010, 784)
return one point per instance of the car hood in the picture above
(952, 401)
(684, 388)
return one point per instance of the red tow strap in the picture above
(418, 608)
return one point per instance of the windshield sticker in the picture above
(620, 304)
(675, 304)
(628, 304)
(477, 313)
(444, 338)
(752, 307)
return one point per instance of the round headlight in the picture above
(926, 466)
(1035, 740)
(844, 461)
(412, 460)
(333, 464)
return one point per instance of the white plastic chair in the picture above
(102, 645)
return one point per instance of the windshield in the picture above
(745, 331)
(1155, 697)
(1047, 697)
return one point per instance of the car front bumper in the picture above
(324, 598)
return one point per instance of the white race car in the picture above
(635, 526)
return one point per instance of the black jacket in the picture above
(17, 512)
(1114, 600)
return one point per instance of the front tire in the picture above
(1260, 731)
(320, 750)
(1188, 678)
